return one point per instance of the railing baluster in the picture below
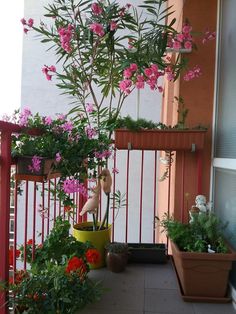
(127, 197)
(154, 195)
(141, 199)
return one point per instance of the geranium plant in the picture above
(57, 281)
(73, 147)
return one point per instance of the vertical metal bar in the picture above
(48, 211)
(127, 196)
(15, 226)
(43, 206)
(114, 190)
(154, 195)
(168, 197)
(26, 220)
(54, 202)
(5, 215)
(141, 199)
(76, 208)
(34, 221)
(199, 172)
(182, 185)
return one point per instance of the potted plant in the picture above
(57, 279)
(201, 256)
(116, 256)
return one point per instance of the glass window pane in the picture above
(226, 122)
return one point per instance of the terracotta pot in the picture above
(172, 139)
(203, 274)
(116, 262)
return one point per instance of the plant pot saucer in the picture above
(190, 298)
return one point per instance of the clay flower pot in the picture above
(116, 256)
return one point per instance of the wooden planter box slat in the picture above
(147, 253)
(172, 139)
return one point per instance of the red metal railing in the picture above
(137, 178)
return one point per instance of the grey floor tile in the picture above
(160, 276)
(95, 311)
(211, 308)
(166, 301)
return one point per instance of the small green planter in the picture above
(147, 253)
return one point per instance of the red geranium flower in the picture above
(30, 242)
(93, 256)
(74, 264)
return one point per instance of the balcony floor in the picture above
(146, 289)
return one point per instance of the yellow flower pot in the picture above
(98, 239)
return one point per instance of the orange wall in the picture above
(198, 96)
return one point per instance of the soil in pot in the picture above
(116, 262)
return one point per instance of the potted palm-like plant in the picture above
(201, 256)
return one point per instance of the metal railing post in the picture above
(5, 169)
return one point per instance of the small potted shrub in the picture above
(116, 256)
(201, 256)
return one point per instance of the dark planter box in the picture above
(173, 139)
(147, 253)
(45, 172)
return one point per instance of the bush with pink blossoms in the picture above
(108, 50)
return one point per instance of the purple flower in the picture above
(36, 164)
(91, 132)
(89, 107)
(48, 120)
(67, 126)
(58, 157)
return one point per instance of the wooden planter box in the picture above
(203, 276)
(172, 139)
(45, 172)
(147, 253)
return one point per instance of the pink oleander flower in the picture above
(127, 73)
(46, 69)
(208, 36)
(154, 68)
(186, 28)
(36, 164)
(48, 120)
(188, 45)
(180, 37)
(115, 170)
(96, 9)
(169, 74)
(67, 126)
(25, 30)
(30, 22)
(113, 26)
(140, 83)
(194, 73)
(97, 29)
(58, 157)
(148, 72)
(176, 45)
(133, 67)
(89, 107)
(65, 35)
(23, 21)
(90, 132)
(160, 89)
(125, 86)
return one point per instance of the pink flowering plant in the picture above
(74, 149)
(107, 51)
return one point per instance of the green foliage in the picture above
(206, 229)
(49, 287)
(58, 246)
(139, 124)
